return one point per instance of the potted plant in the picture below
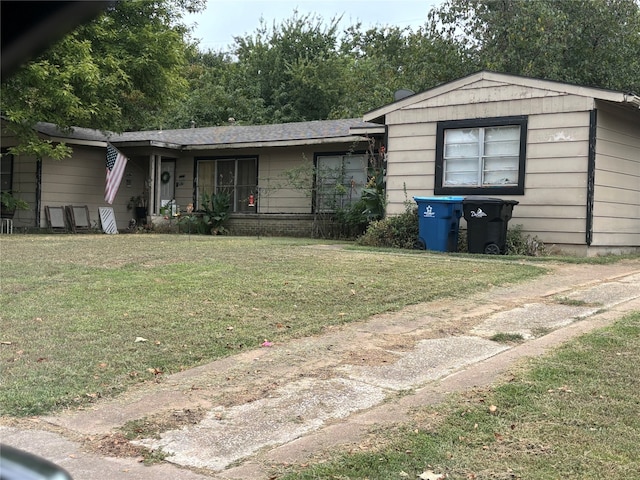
(10, 204)
(139, 205)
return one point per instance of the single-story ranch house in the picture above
(570, 156)
(170, 169)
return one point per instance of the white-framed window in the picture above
(339, 180)
(236, 176)
(481, 155)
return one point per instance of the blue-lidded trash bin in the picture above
(487, 219)
(439, 222)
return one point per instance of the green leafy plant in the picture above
(400, 231)
(11, 203)
(351, 221)
(216, 209)
(373, 195)
(518, 243)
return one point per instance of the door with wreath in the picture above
(168, 184)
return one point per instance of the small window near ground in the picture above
(339, 181)
(481, 156)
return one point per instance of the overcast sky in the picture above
(224, 19)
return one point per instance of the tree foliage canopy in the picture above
(135, 67)
(588, 42)
(118, 72)
(304, 69)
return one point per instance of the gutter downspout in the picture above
(38, 192)
(591, 173)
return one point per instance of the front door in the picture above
(168, 183)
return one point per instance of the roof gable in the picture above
(499, 83)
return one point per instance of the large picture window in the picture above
(236, 176)
(339, 180)
(481, 156)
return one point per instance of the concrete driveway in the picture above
(235, 418)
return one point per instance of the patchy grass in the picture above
(508, 338)
(87, 316)
(573, 414)
(153, 425)
(574, 302)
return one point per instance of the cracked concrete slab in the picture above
(608, 294)
(429, 360)
(226, 435)
(84, 466)
(531, 319)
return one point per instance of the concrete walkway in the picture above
(292, 402)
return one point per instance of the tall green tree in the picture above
(383, 60)
(295, 67)
(588, 42)
(118, 72)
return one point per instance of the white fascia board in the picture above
(380, 130)
(76, 141)
(278, 143)
(148, 143)
(419, 97)
(557, 86)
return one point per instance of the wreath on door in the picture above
(165, 177)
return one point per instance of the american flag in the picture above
(116, 162)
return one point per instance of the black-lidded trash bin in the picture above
(487, 219)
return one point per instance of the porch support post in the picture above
(156, 182)
(152, 185)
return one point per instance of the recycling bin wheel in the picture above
(419, 244)
(487, 220)
(492, 249)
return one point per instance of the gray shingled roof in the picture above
(238, 134)
(75, 133)
(227, 135)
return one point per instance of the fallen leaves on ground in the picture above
(431, 475)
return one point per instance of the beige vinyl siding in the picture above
(24, 187)
(616, 197)
(80, 180)
(277, 194)
(476, 103)
(554, 204)
(24, 181)
(410, 163)
(616, 211)
(184, 178)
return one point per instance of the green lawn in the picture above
(74, 305)
(574, 414)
